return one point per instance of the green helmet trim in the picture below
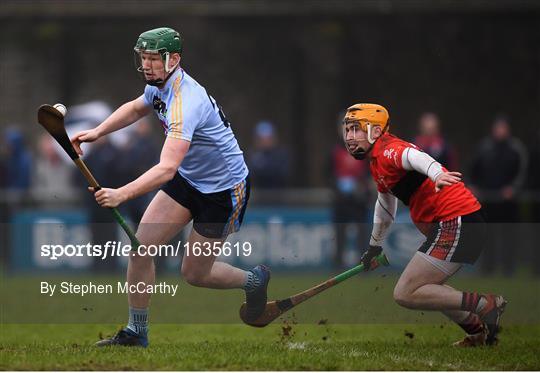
(163, 40)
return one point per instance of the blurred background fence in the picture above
(460, 78)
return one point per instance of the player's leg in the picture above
(416, 290)
(162, 220)
(215, 216)
(204, 271)
(475, 329)
(421, 285)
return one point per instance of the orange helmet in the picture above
(368, 115)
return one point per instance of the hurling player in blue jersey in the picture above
(202, 175)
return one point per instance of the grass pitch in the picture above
(237, 347)
(354, 326)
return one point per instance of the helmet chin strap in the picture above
(159, 82)
(167, 70)
(155, 82)
(361, 153)
(369, 138)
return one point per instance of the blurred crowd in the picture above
(503, 174)
(42, 175)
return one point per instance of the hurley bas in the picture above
(66, 287)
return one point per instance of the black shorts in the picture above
(215, 215)
(458, 240)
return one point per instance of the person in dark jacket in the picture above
(269, 162)
(533, 184)
(498, 173)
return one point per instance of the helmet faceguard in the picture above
(162, 41)
(365, 117)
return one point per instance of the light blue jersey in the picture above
(214, 161)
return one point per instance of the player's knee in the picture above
(137, 260)
(194, 277)
(402, 296)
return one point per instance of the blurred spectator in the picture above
(269, 163)
(533, 180)
(498, 172)
(102, 160)
(18, 161)
(51, 177)
(432, 142)
(533, 184)
(16, 164)
(4, 203)
(139, 154)
(351, 198)
(3, 163)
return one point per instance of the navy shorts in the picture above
(215, 215)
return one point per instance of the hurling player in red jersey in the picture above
(442, 208)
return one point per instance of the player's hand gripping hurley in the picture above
(52, 119)
(276, 308)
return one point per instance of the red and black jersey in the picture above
(415, 189)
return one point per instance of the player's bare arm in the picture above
(172, 154)
(127, 114)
